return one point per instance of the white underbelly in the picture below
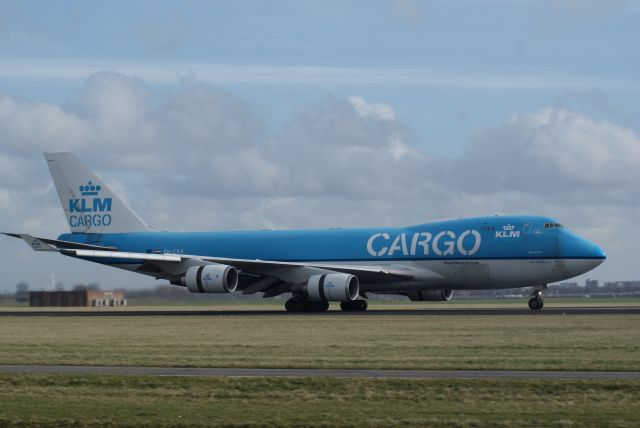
(487, 274)
(500, 273)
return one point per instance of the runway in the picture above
(585, 310)
(250, 372)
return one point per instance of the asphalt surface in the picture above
(587, 310)
(240, 372)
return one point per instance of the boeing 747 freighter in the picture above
(424, 262)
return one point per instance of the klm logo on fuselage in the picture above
(444, 243)
(508, 231)
(91, 210)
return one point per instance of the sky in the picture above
(218, 115)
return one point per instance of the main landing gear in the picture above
(297, 304)
(301, 304)
(354, 306)
(536, 302)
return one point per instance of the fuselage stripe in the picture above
(138, 262)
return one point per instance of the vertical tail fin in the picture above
(89, 205)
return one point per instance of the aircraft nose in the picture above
(594, 256)
(598, 253)
(581, 255)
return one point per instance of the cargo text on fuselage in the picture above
(443, 243)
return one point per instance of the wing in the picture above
(270, 276)
(367, 273)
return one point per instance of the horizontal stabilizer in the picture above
(45, 244)
(36, 244)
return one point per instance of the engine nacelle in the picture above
(214, 278)
(431, 295)
(333, 287)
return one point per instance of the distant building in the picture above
(22, 292)
(81, 298)
(592, 284)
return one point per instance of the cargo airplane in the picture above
(424, 262)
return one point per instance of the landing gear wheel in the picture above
(289, 306)
(536, 303)
(354, 306)
(301, 305)
(295, 304)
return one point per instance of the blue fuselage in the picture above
(482, 238)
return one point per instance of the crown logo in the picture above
(89, 189)
(508, 227)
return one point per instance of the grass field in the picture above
(562, 342)
(58, 400)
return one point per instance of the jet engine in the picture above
(430, 295)
(333, 287)
(213, 278)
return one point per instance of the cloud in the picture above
(557, 153)
(374, 110)
(196, 157)
(204, 141)
(28, 125)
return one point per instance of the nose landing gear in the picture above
(536, 302)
